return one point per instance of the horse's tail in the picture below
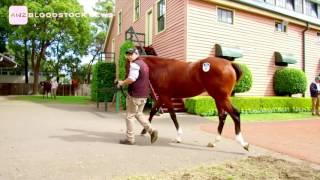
(238, 70)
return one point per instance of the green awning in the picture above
(284, 59)
(315, 1)
(228, 52)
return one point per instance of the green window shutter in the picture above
(228, 52)
(315, 1)
(283, 59)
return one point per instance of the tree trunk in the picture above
(35, 81)
(88, 73)
(33, 54)
(26, 62)
(37, 67)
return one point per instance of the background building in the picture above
(192, 29)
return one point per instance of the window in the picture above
(161, 14)
(225, 16)
(4, 72)
(136, 10)
(271, 2)
(312, 9)
(318, 37)
(281, 3)
(290, 4)
(119, 22)
(281, 26)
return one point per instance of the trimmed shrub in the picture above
(205, 106)
(103, 78)
(288, 81)
(122, 58)
(122, 66)
(245, 82)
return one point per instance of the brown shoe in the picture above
(127, 142)
(154, 136)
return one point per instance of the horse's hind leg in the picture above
(222, 118)
(235, 114)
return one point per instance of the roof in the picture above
(108, 33)
(6, 61)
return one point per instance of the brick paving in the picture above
(299, 138)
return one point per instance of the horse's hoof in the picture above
(246, 147)
(178, 140)
(143, 132)
(211, 145)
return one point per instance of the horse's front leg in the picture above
(176, 124)
(167, 102)
(153, 111)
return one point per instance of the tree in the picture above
(5, 28)
(99, 30)
(72, 34)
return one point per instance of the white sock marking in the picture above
(240, 139)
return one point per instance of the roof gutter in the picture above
(265, 9)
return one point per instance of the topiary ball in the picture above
(288, 81)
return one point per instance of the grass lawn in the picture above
(59, 100)
(269, 117)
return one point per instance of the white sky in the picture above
(88, 5)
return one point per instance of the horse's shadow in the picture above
(113, 138)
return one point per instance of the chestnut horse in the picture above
(172, 78)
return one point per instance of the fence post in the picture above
(118, 99)
(105, 102)
(97, 99)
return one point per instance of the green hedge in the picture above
(205, 106)
(288, 81)
(122, 66)
(103, 78)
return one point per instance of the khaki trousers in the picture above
(315, 105)
(54, 92)
(135, 112)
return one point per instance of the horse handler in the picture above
(138, 91)
(54, 87)
(314, 92)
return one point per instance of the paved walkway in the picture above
(299, 139)
(46, 141)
